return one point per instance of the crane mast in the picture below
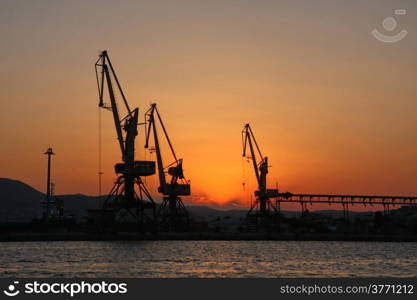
(262, 212)
(172, 211)
(123, 199)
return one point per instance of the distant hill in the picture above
(17, 192)
(19, 201)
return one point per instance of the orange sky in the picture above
(333, 108)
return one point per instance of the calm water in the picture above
(208, 259)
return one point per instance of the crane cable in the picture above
(100, 173)
(145, 157)
(243, 175)
(245, 180)
(249, 183)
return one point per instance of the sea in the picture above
(207, 259)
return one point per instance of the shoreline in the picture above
(201, 236)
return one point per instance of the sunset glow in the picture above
(333, 108)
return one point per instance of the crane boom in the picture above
(248, 134)
(105, 78)
(166, 135)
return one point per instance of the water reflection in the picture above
(208, 259)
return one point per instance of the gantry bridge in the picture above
(345, 200)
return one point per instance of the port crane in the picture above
(262, 211)
(172, 212)
(123, 200)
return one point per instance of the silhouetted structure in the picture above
(123, 201)
(48, 200)
(262, 213)
(345, 200)
(172, 212)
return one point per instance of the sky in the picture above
(332, 107)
